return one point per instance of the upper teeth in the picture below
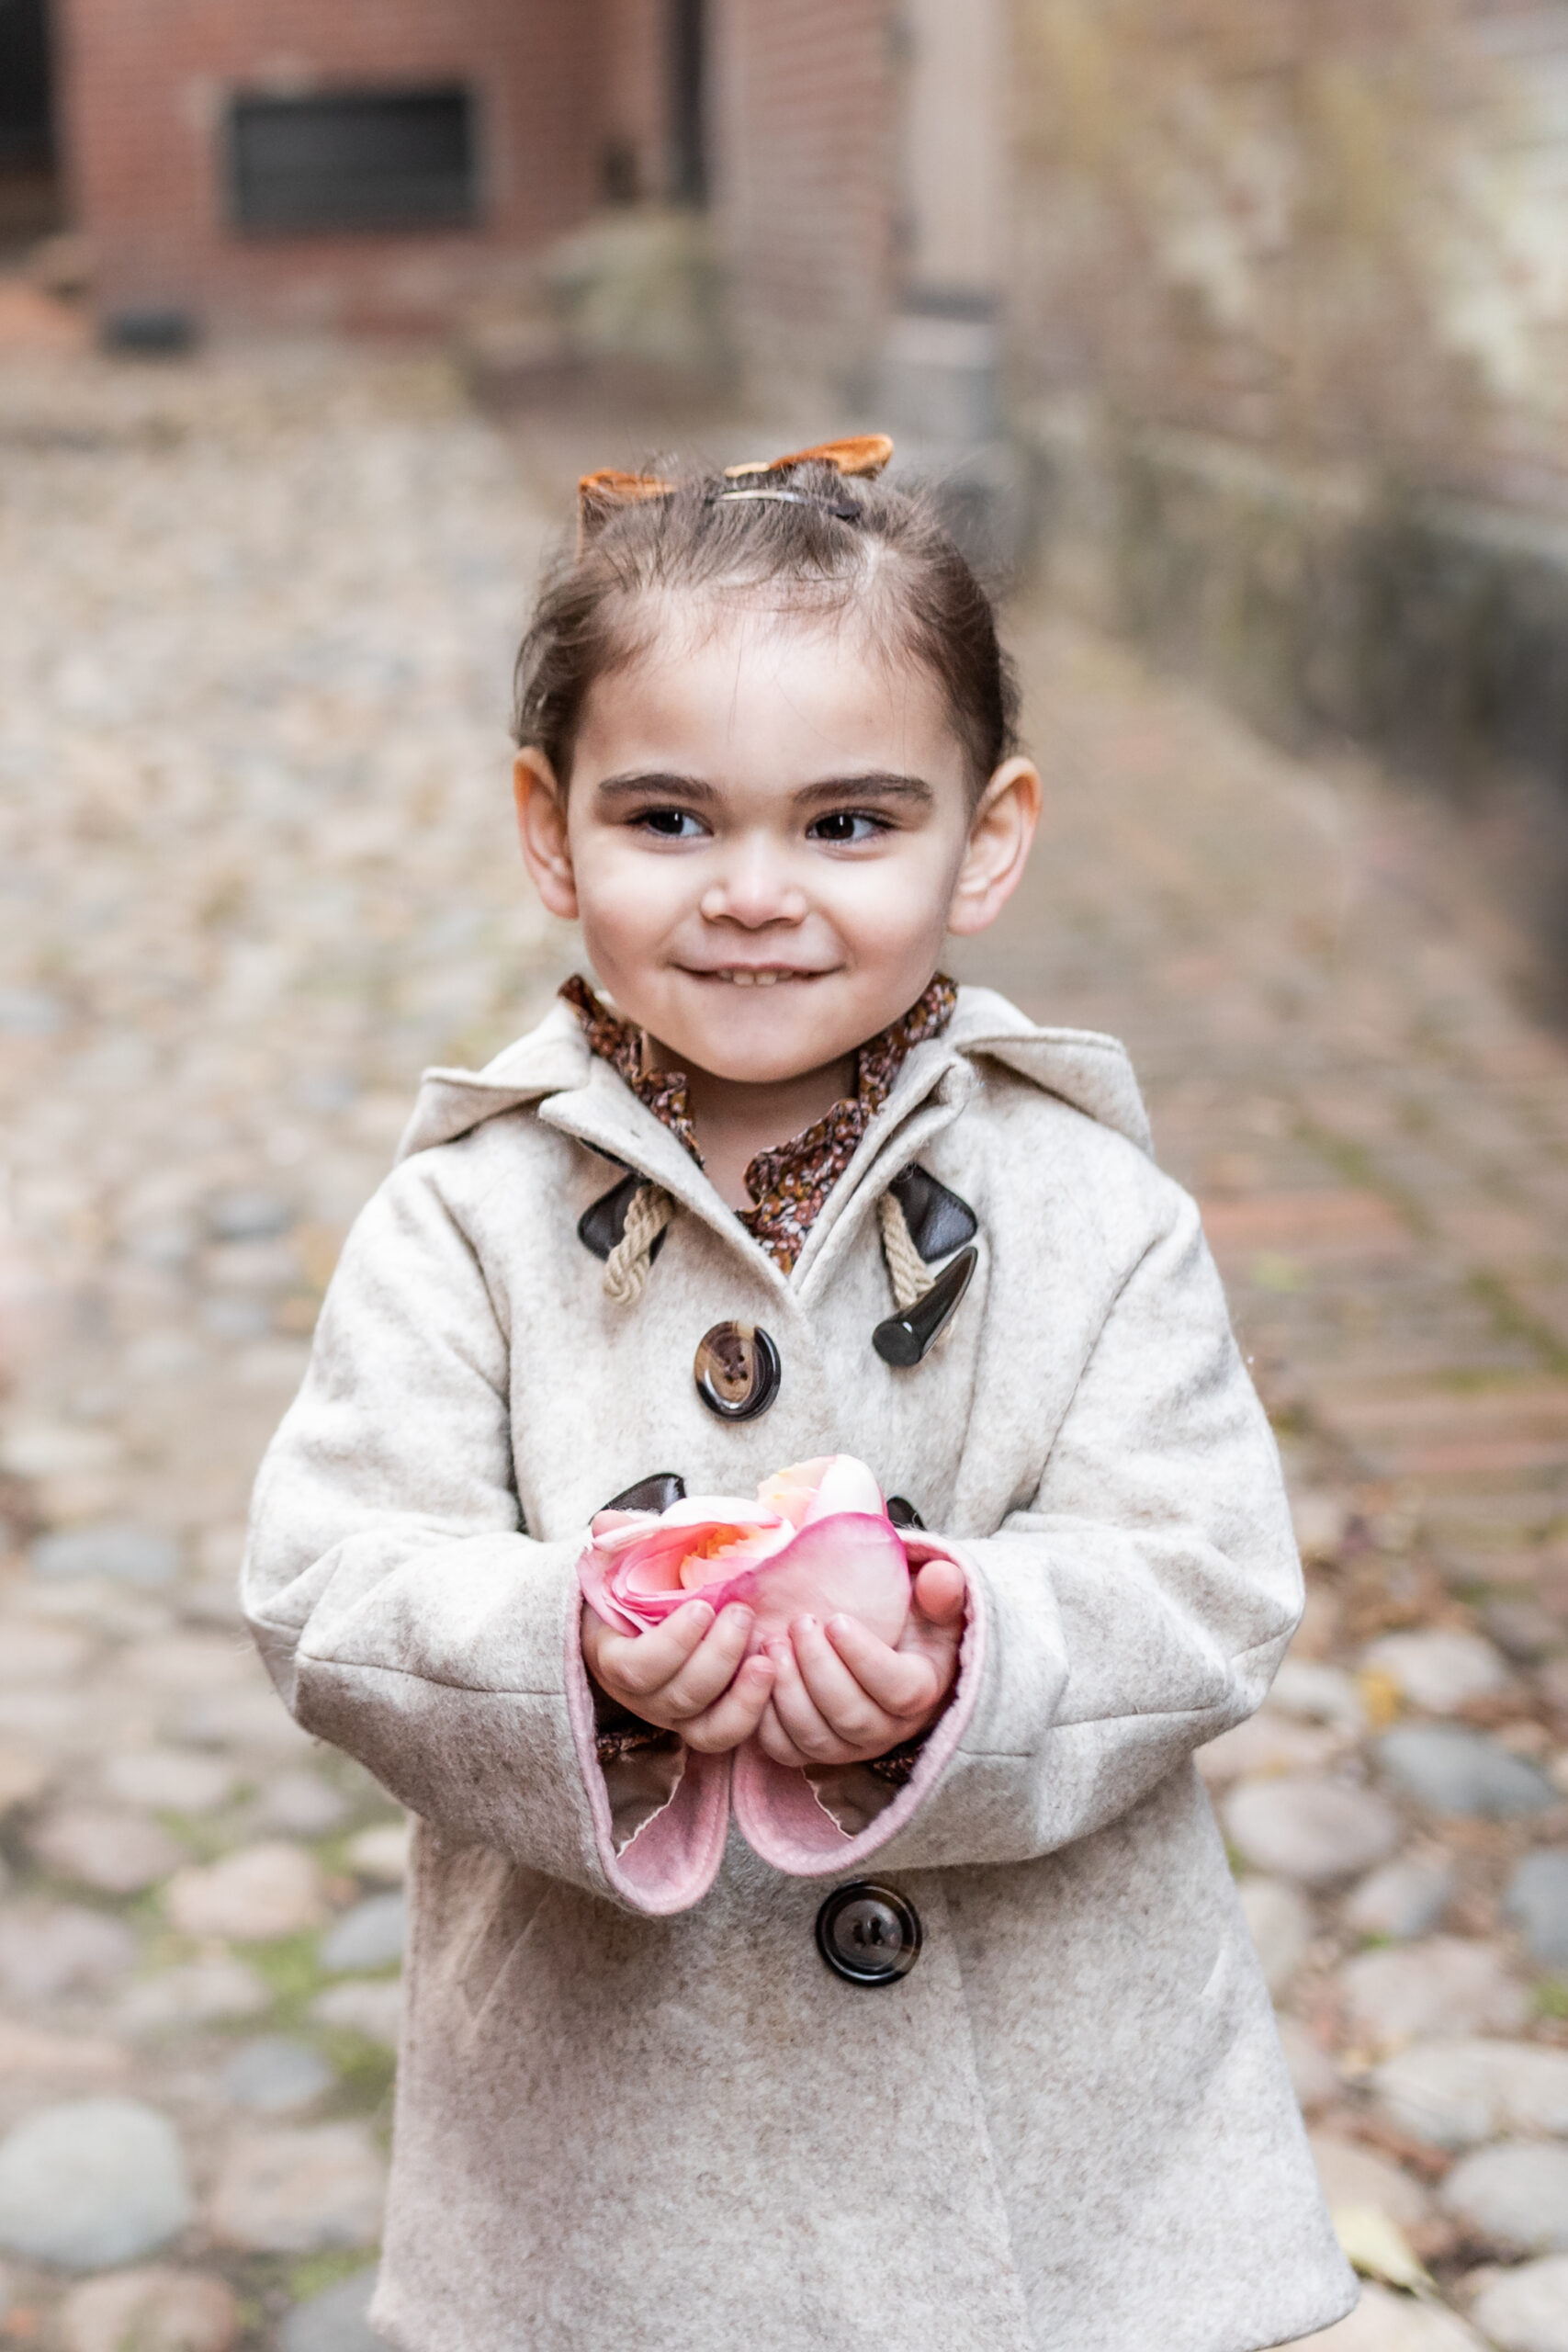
(752, 979)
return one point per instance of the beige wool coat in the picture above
(635, 2109)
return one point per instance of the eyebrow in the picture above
(877, 784)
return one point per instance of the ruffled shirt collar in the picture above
(788, 1182)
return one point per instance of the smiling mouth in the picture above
(755, 976)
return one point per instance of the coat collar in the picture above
(552, 1071)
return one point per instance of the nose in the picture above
(754, 890)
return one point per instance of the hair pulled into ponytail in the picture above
(817, 533)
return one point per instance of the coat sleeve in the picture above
(402, 1612)
(1136, 1608)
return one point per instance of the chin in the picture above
(763, 1045)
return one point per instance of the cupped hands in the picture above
(826, 1693)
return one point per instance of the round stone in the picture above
(116, 1853)
(1446, 1985)
(126, 1555)
(275, 2075)
(1353, 2174)
(380, 1853)
(1309, 1830)
(1456, 1771)
(152, 2310)
(1384, 2321)
(91, 2183)
(868, 1934)
(1455, 2094)
(1513, 2196)
(1438, 1671)
(1526, 2309)
(1314, 2078)
(197, 1993)
(294, 2189)
(302, 1802)
(1537, 1902)
(49, 1948)
(247, 1214)
(369, 2005)
(253, 1895)
(171, 1779)
(335, 2322)
(1280, 1926)
(737, 1371)
(1404, 1898)
(370, 1936)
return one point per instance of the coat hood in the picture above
(1081, 1067)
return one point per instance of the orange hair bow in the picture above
(599, 492)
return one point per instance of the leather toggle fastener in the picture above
(655, 1493)
(604, 1222)
(902, 1340)
(921, 1220)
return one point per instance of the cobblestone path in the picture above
(256, 868)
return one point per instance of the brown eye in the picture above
(846, 826)
(670, 824)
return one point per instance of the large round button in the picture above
(868, 1934)
(737, 1371)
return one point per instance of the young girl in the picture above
(842, 1991)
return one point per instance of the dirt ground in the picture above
(256, 869)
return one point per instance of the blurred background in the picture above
(1235, 339)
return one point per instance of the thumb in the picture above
(939, 1591)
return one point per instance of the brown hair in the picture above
(822, 542)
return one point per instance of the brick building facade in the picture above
(271, 163)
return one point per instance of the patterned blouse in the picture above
(789, 1182)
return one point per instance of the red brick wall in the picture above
(146, 84)
(804, 96)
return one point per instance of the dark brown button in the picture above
(737, 1371)
(868, 1934)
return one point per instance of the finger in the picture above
(640, 1664)
(711, 1666)
(940, 1591)
(904, 1682)
(737, 1714)
(798, 1714)
(843, 1702)
(777, 1743)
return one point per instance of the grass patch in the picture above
(365, 2070)
(317, 2272)
(290, 1968)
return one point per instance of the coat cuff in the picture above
(779, 1812)
(672, 1859)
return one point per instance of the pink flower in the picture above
(816, 1541)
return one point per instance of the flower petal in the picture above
(852, 1563)
(792, 1492)
(846, 1484)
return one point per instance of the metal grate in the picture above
(354, 159)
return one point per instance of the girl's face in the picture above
(767, 837)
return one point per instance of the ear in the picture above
(541, 829)
(1000, 836)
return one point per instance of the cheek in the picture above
(628, 903)
(897, 905)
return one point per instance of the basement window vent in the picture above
(354, 159)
